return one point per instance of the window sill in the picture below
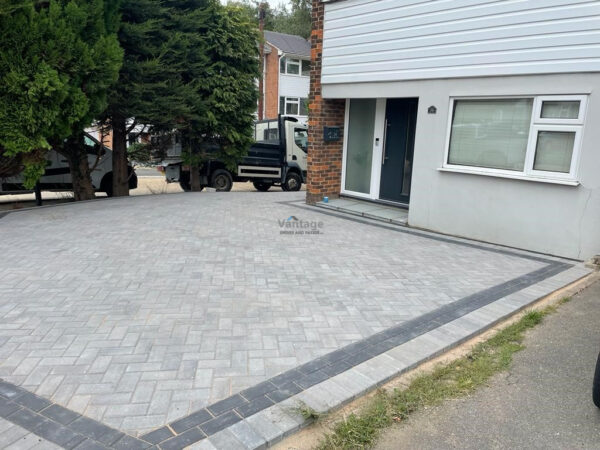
(294, 75)
(510, 176)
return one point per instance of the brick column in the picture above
(324, 158)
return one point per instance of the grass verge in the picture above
(458, 378)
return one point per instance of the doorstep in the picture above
(364, 208)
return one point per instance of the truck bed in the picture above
(262, 154)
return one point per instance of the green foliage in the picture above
(141, 153)
(149, 81)
(9, 6)
(228, 87)
(307, 412)
(57, 61)
(293, 20)
(32, 172)
(217, 80)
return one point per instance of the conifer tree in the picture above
(149, 86)
(57, 61)
(220, 47)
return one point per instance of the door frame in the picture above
(376, 155)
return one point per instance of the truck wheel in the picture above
(293, 182)
(596, 387)
(262, 186)
(221, 180)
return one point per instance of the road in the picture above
(150, 182)
(543, 402)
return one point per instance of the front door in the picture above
(398, 148)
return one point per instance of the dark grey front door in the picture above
(397, 158)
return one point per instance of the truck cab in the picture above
(294, 140)
(277, 158)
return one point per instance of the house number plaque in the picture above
(331, 134)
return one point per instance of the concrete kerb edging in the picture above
(81, 202)
(282, 420)
(111, 199)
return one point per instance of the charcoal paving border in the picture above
(218, 416)
(221, 415)
(58, 424)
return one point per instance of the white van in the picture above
(57, 176)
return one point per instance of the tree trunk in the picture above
(120, 178)
(80, 170)
(195, 179)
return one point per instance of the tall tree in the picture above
(219, 47)
(149, 83)
(187, 53)
(9, 6)
(296, 20)
(57, 60)
(230, 87)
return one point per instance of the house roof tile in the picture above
(288, 43)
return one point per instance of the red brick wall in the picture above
(324, 158)
(272, 84)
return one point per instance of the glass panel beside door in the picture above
(359, 145)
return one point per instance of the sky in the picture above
(273, 3)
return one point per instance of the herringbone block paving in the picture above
(136, 312)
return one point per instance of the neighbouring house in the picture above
(286, 75)
(481, 117)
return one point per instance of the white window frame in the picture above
(582, 99)
(537, 124)
(296, 62)
(292, 101)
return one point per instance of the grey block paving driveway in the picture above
(136, 312)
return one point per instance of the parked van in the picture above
(57, 176)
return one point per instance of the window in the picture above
(305, 68)
(490, 133)
(304, 107)
(293, 106)
(525, 137)
(292, 66)
(301, 138)
(92, 147)
(266, 131)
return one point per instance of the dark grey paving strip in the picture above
(58, 424)
(532, 256)
(220, 415)
(183, 440)
(184, 424)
